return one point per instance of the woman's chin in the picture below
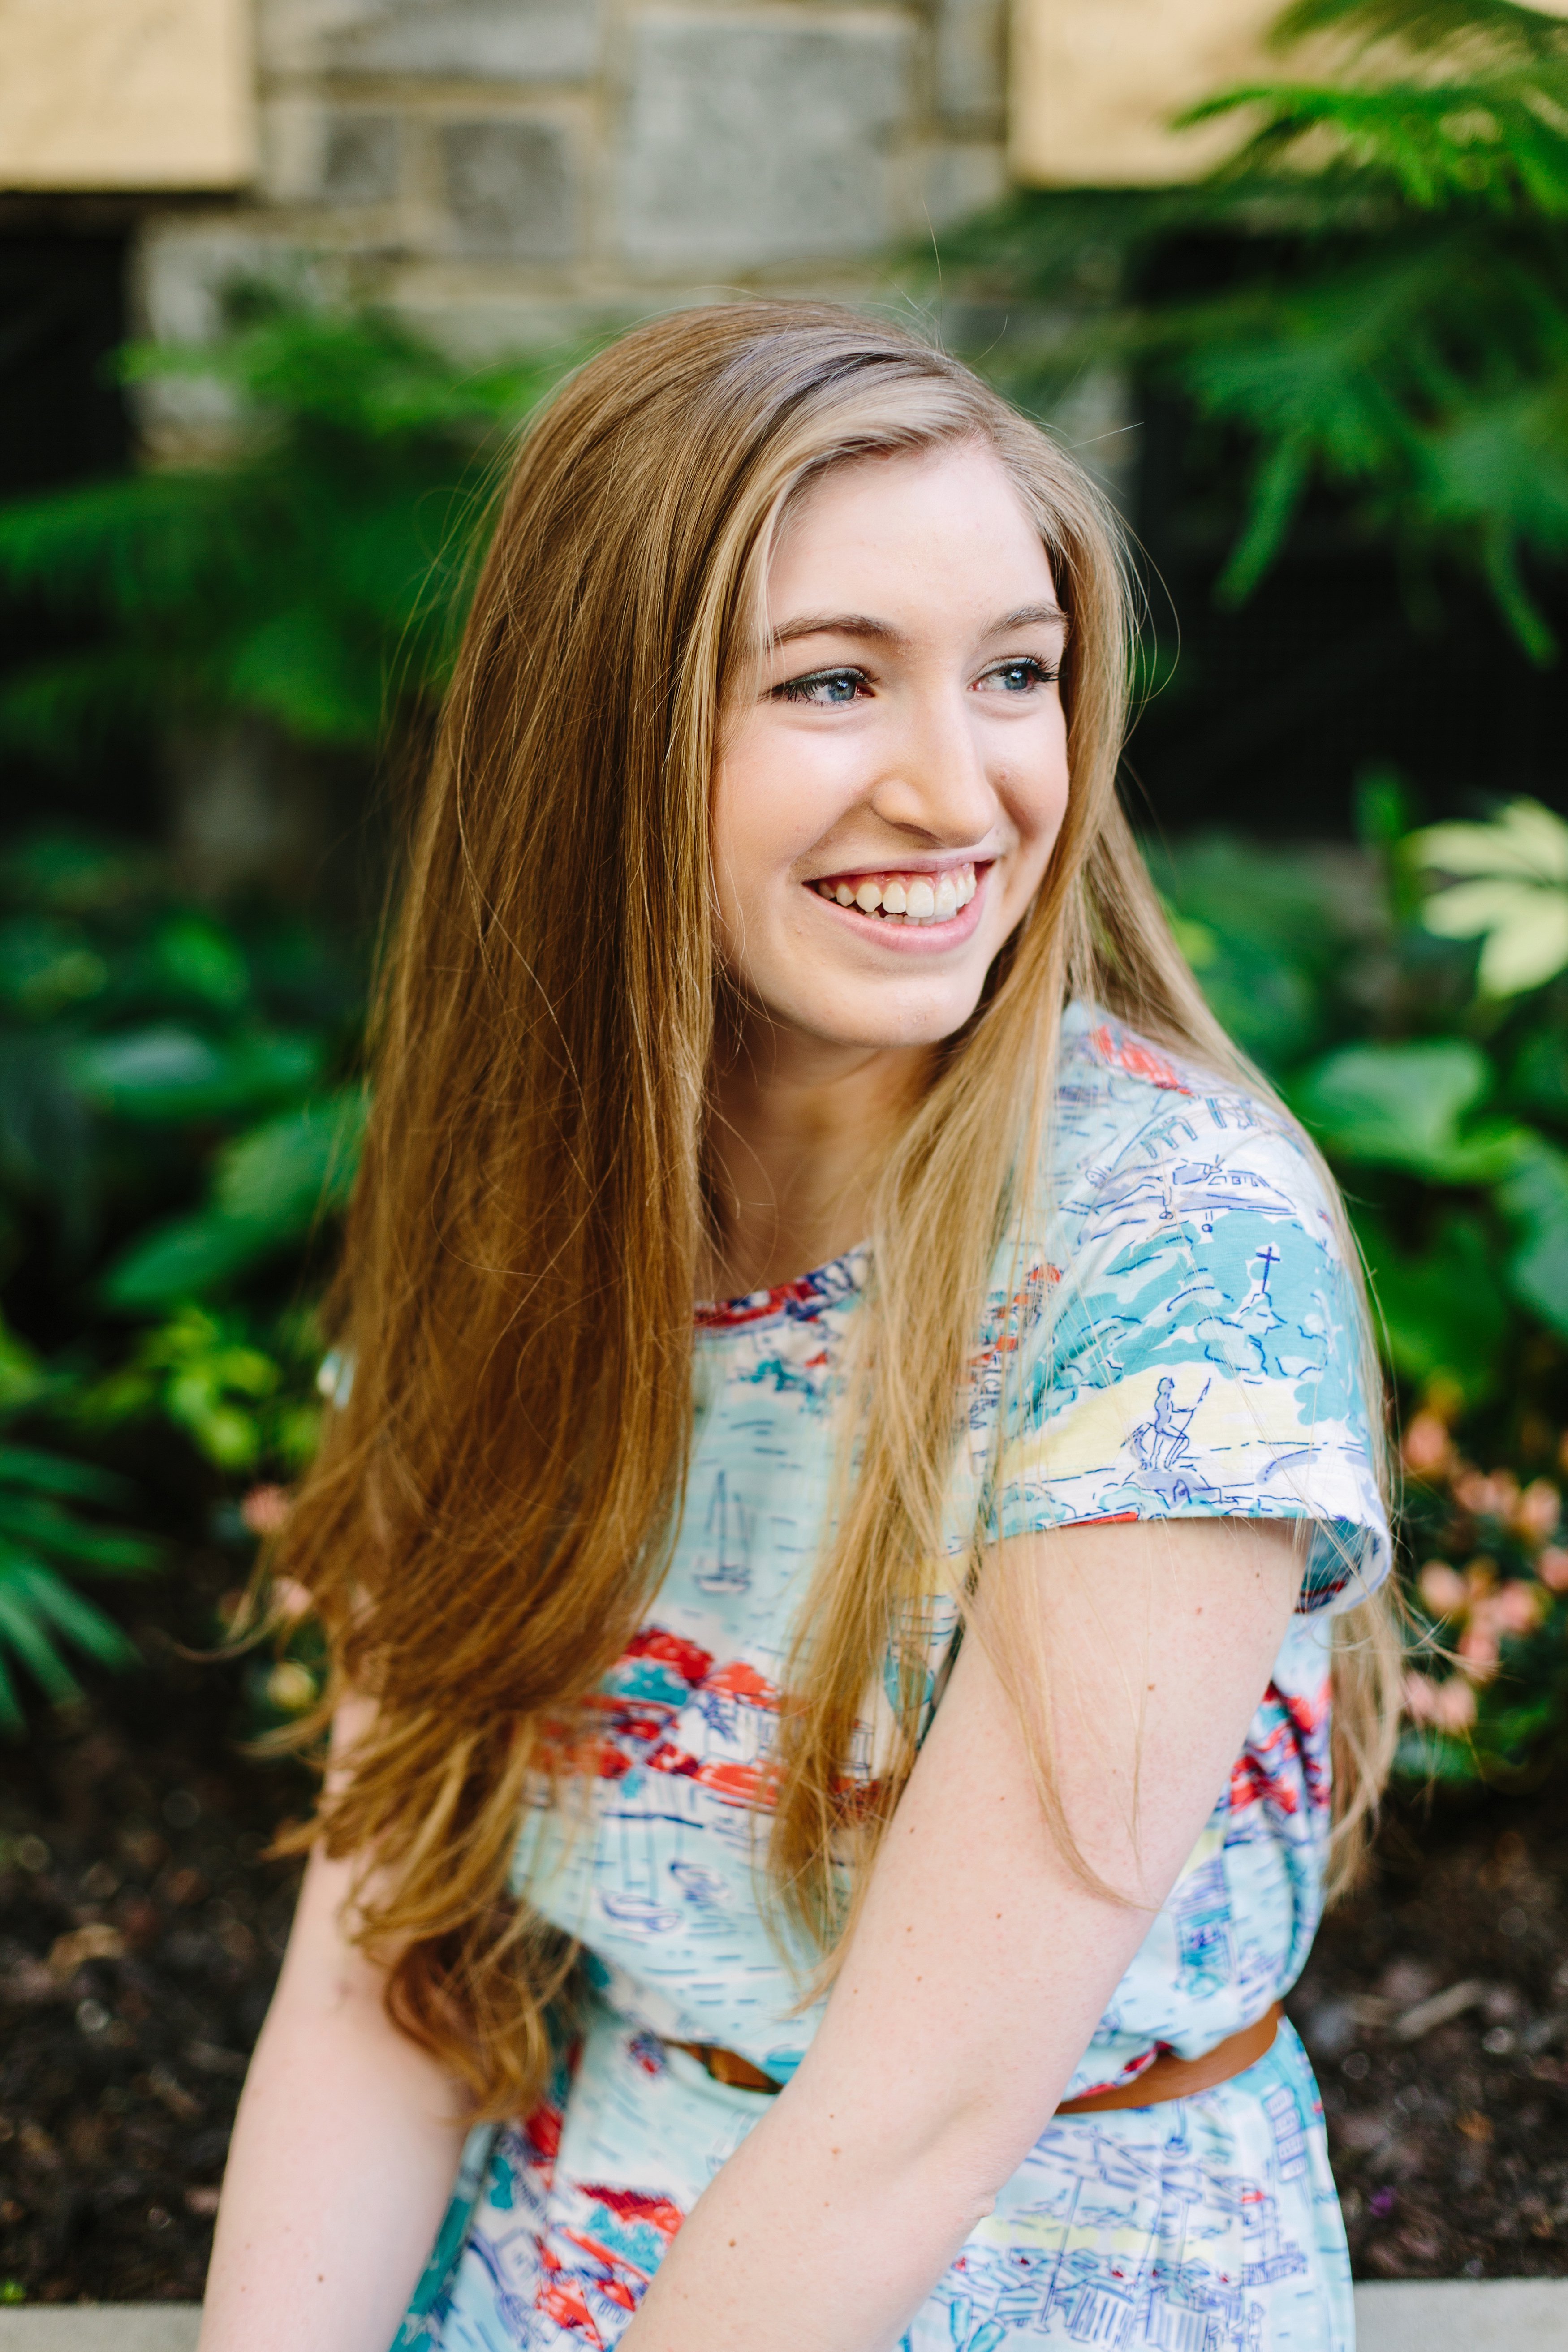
(870, 1021)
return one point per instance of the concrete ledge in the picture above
(1405, 2315)
(102, 2327)
(1451, 2315)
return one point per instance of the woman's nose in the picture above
(934, 778)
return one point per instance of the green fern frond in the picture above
(1429, 27)
(1499, 142)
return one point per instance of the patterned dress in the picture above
(1180, 1340)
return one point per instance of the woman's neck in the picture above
(797, 1136)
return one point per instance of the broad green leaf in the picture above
(1525, 840)
(1525, 928)
(1526, 950)
(168, 1072)
(1400, 1107)
(1534, 1199)
(285, 1173)
(271, 1185)
(190, 1257)
(1441, 1309)
(202, 960)
(46, 966)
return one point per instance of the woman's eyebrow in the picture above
(837, 624)
(865, 625)
(1029, 617)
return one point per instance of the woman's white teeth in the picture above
(915, 898)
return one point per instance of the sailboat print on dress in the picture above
(724, 1563)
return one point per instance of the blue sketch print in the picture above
(1176, 1337)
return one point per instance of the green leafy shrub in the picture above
(179, 1117)
(1435, 1073)
(1389, 312)
(311, 574)
(52, 1534)
(180, 1103)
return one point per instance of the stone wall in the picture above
(523, 170)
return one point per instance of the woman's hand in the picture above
(344, 2153)
(980, 1962)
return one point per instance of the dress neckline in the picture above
(799, 1300)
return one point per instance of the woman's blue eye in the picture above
(828, 688)
(1017, 676)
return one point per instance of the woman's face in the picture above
(894, 768)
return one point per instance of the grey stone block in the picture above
(473, 40)
(359, 157)
(971, 51)
(508, 188)
(748, 142)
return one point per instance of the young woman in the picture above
(829, 1785)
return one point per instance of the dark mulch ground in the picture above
(1436, 2009)
(140, 1930)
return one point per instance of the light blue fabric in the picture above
(1178, 1339)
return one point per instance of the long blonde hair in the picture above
(494, 1502)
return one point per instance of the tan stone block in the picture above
(105, 94)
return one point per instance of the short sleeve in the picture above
(1196, 1346)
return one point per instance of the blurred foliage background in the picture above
(1359, 328)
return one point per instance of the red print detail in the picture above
(739, 1679)
(741, 1784)
(806, 1292)
(562, 2301)
(690, 1660)
(642, 1722)
(1122, 1052)
(637, 2205)
(1276, 1769)
(542, 2131)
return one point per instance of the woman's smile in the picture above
(910, 909)
(895, 751)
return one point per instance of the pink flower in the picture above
(1427, 1449)
(265, 1509)
(1479, 1648)
(291, 1600)
(1443, 1588)
(1496, 1497)
(1552, 1567)
(1516, 1608)
(1448, 1706)
(1539, 1509)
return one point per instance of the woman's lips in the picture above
(899, 930)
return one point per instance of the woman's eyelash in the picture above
(1043, 673)
(818, 684)
(800, 689)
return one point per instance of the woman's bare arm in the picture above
(981, 1964)
(344, 2153)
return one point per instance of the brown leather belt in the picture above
(1168, 2077)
